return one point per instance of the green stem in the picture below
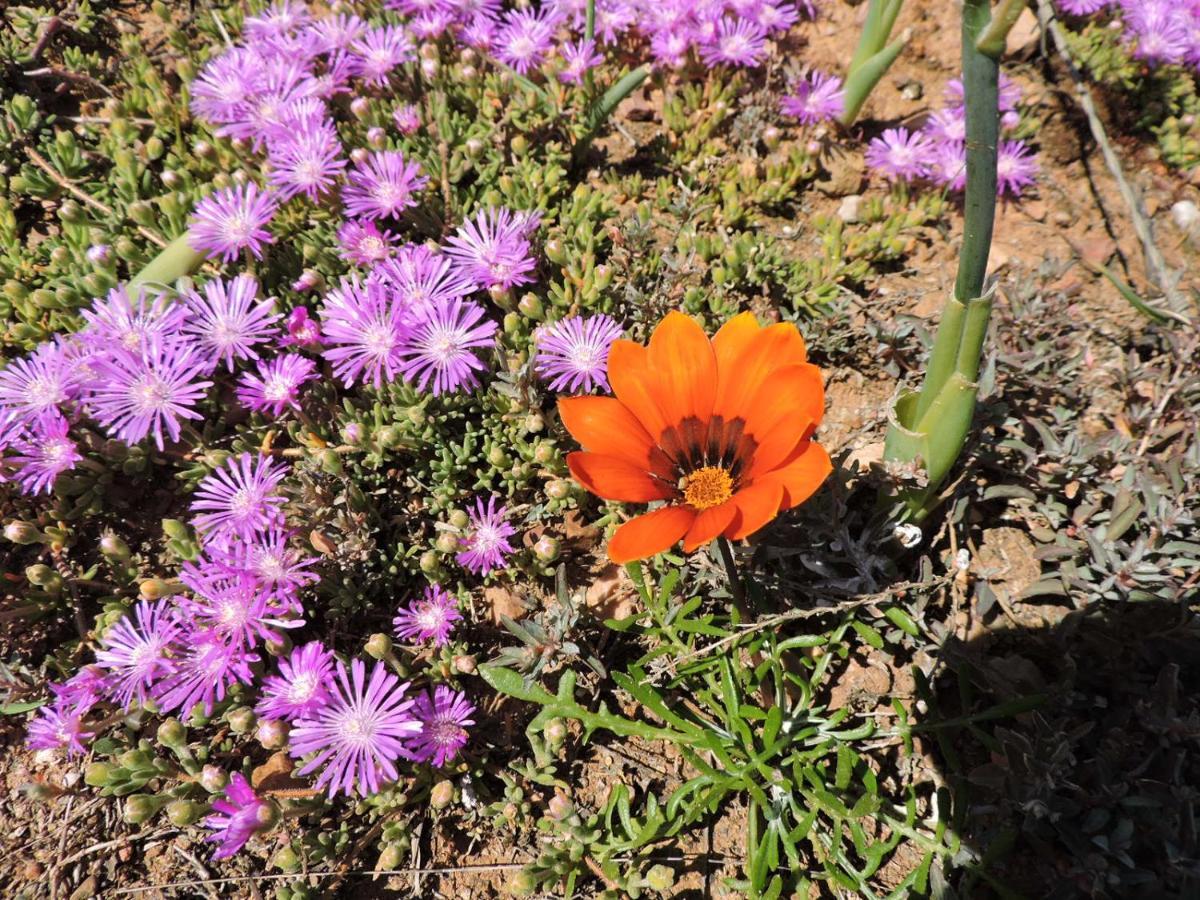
(174, 261)
(600, 113)
(736, 588)
(994, 37)
(589, 31)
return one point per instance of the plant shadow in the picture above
(1093, 791)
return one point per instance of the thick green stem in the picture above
(992, 40)
(589, 30)
(600, 113)
(174, 261)
(873, 56)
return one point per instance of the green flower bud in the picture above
(512, 323)
(390, 859)
(546, 549)
(268, 816)
(378, 646)
(213, 779)
(459, 518)
(182, 813)
(558, 489)
(603, 276)
(272, 734)
(531, 306)
(660, 878)
(60, 255)
(519, 145)
(560, 807)
(555, 732)
(498, 458)
(241, 720)
(465, 664)
(447, 542)
(155, 588)
(555, 251)
(97, 774)
(171, 733)
(70, 212)
(141, 212)
(114, 548)
(23, 533)
(474, 147)
(442, 795)
(176, 530)
(429, 562)
(44, 577)
(140, 808)
(154, 148)
(331, 463)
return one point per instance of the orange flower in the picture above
(718, 429)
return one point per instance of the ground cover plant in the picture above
(591, 449)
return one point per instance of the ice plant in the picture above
(718, 430)
(485, 545)
(900, 155)
(60, 725)
(444, 715)
(232, 220)
(492, 249)
(228, 319)
(276, 385)
(137, 651)
(430, 617)
(205, 672)
(365, 332)
(43, 452)
(237, 816)
(359, 734)
(240, 498)
(817, 97)
(384, 185)
(301, 688)
(572, 354)
(439, 354)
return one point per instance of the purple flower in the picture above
(85, 688)
(383, 185)
(900, 155)
(776, 16)
(365, 332)
(224, 87)
(949, 164)
(407, 119)
(205, 671)
(1161, 31)
(308, 162)
(737, 42)
(337, 32)
(379, 51)
(444, 716)
(572, 354)
(229, 319)
(280, 18)
(237, 816)
(1016, 168)
(363, 243)
(1081, 7)
(137, 395)
(276, 385)
(139, 327)
(276, 565)
(524, 39)
(485, 545)
(358, 735)
(301, 689)
(578, 58)
(493, 250)
(302, 330)
(138, 650)
(235, 609)
(43, 452)
(420, 277)
(240, 498)
(36, 385)
(60, 725)
(947, 125)
(429, 618)
(232, 220)
(817, 97)
(438, 354)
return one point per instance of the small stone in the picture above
(850, 209)
(1186, 216)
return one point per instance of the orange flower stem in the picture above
(736, 588)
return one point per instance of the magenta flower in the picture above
(365, 332)
(269, 558)
(308, 162)
(276, 385)
(775, 16)
(572, 354)
(579, 57)
(60, 725)
(136, 395)
(949, 164)
(232, 220)
(1162, 31)
(900, 155)
(301, 689)
(240, 498)
(379, 51)
(485, 545)
(383, 185)
(204, 672)
(406, 118)
(1016, 168)
(438, 354)
(428, 618)
(363, 243)
(85, 688)
(1081, 7)
(444, 716)
(357, 737)
(817, 97)
(139, 327)
(229, 319)
(737, 42)
(947, 125)
(280, 18)
(43, 452)
(237, 816)
(236, 610)
(302, 330)
(224, 87)
(38, 384)
(138, 650)
(524, 39)
(493, 250)
(420, 278)
(337, 32)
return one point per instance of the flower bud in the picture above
(360, 107)
(603, 276)
(359, 156)
(378, 646)
(154, 588)
(459, 518)
(140, 808)
(202, 149)
(544, 452)
(97, 774)
(468, 73)
(176, 530)
(430, 67)
(99, 254)
(560, 807)
(546, 549)
(474, 147)
(141, 212)
(465, 664)
(171, 733)
(182, 813)
(241, 720)
(352, 433)
(272, 734)
(268, 816)
(213, 779)
(171, 179)
(390, 859)
(555, 732)
(555, 251)
(660, 878)
(22, 533)
(558, 489)
(114, 548)
(771, 136)
(429, 562)
(441, 795)
(376, 137)
(531, 306)
(307, 281)
(498, 458)
(44, 577)
(447, 542)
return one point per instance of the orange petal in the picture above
(803, 473)
(684, 369)
(708, 525)
(631, 380)
(605, 425)
(651, 533)
(783, 411)
(614, 478)
(732, 338)
(743, 372)
(756, 506)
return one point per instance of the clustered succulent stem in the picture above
(873, 57)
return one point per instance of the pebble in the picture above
(850, 210)
(1186, 216)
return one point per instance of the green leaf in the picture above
(507, 681)
(869, 634)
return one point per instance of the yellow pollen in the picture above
(708, 487)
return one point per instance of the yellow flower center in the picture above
(707, 487)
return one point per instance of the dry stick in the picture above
(58, 178)
(1156, 267)
(67, 75)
